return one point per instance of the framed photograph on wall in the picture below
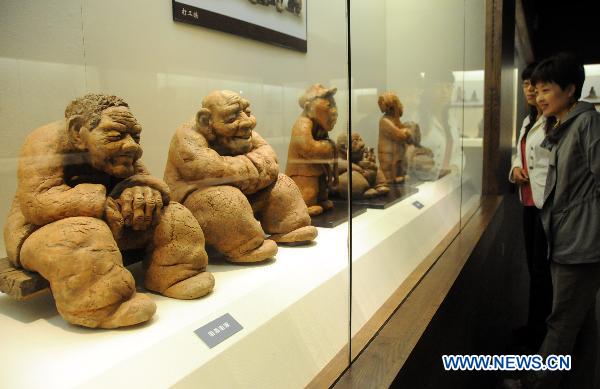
(278, 22)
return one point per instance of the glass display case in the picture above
(431, 56)
(257, 121)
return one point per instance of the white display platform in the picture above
(389, 244)
(294, 311)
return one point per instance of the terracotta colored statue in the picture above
(312, 155)
(420, 160)
(83, 196)
(393, 138)
(228, 176)
(368, 180)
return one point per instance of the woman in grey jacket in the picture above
(571, 219)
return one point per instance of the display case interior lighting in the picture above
(592, 70)
(469, 75)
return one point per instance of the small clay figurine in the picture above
(312, 155)
(228, 176)
(393, 138)
(474, 98)
(83, 196)
(592, 95)
(368, 180)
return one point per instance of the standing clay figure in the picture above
(393, 138)
(312, 155)
(228, 176)
(368, 180)
(83, 196)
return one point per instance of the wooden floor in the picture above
(403, 343)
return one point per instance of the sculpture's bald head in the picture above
(227, 122)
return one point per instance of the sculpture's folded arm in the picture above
(306, 146)
(393, 132)
(265, 161)
(197, 162)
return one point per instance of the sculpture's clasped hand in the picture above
(140, 207)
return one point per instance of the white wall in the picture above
(52, 51)
(369, 67)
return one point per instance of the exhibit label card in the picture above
(218, 330)
(418, 205)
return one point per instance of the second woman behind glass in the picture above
(529, 171)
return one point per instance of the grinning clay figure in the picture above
(368, 180)
(228, 176)
(393, 138)
(312, 155)
(83, 196)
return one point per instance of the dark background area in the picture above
(487, 301)
(566, 25)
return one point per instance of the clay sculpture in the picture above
(368, 180)
(228, 176)
(393, 138)
(420, 159)
(83, 197)
(312, 155)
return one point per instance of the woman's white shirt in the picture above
(536, 157)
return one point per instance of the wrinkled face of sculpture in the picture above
(357, 148)
(324, 112)
(113, 146)
(232, 123)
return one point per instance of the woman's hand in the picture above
(520, 176)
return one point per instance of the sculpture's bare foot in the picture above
(327, 205)
(300, 235)
(315, 210)
(370, 193)
(138, 309)
(267, 250)
(399, 180)
(192, 288)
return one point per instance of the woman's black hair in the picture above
(563, 69)
(533, 112)
(528, 71)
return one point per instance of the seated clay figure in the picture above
(312, 155)
(83, 196)
(420, 161)
(393, 138)
(367, 179)
(228, 176)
